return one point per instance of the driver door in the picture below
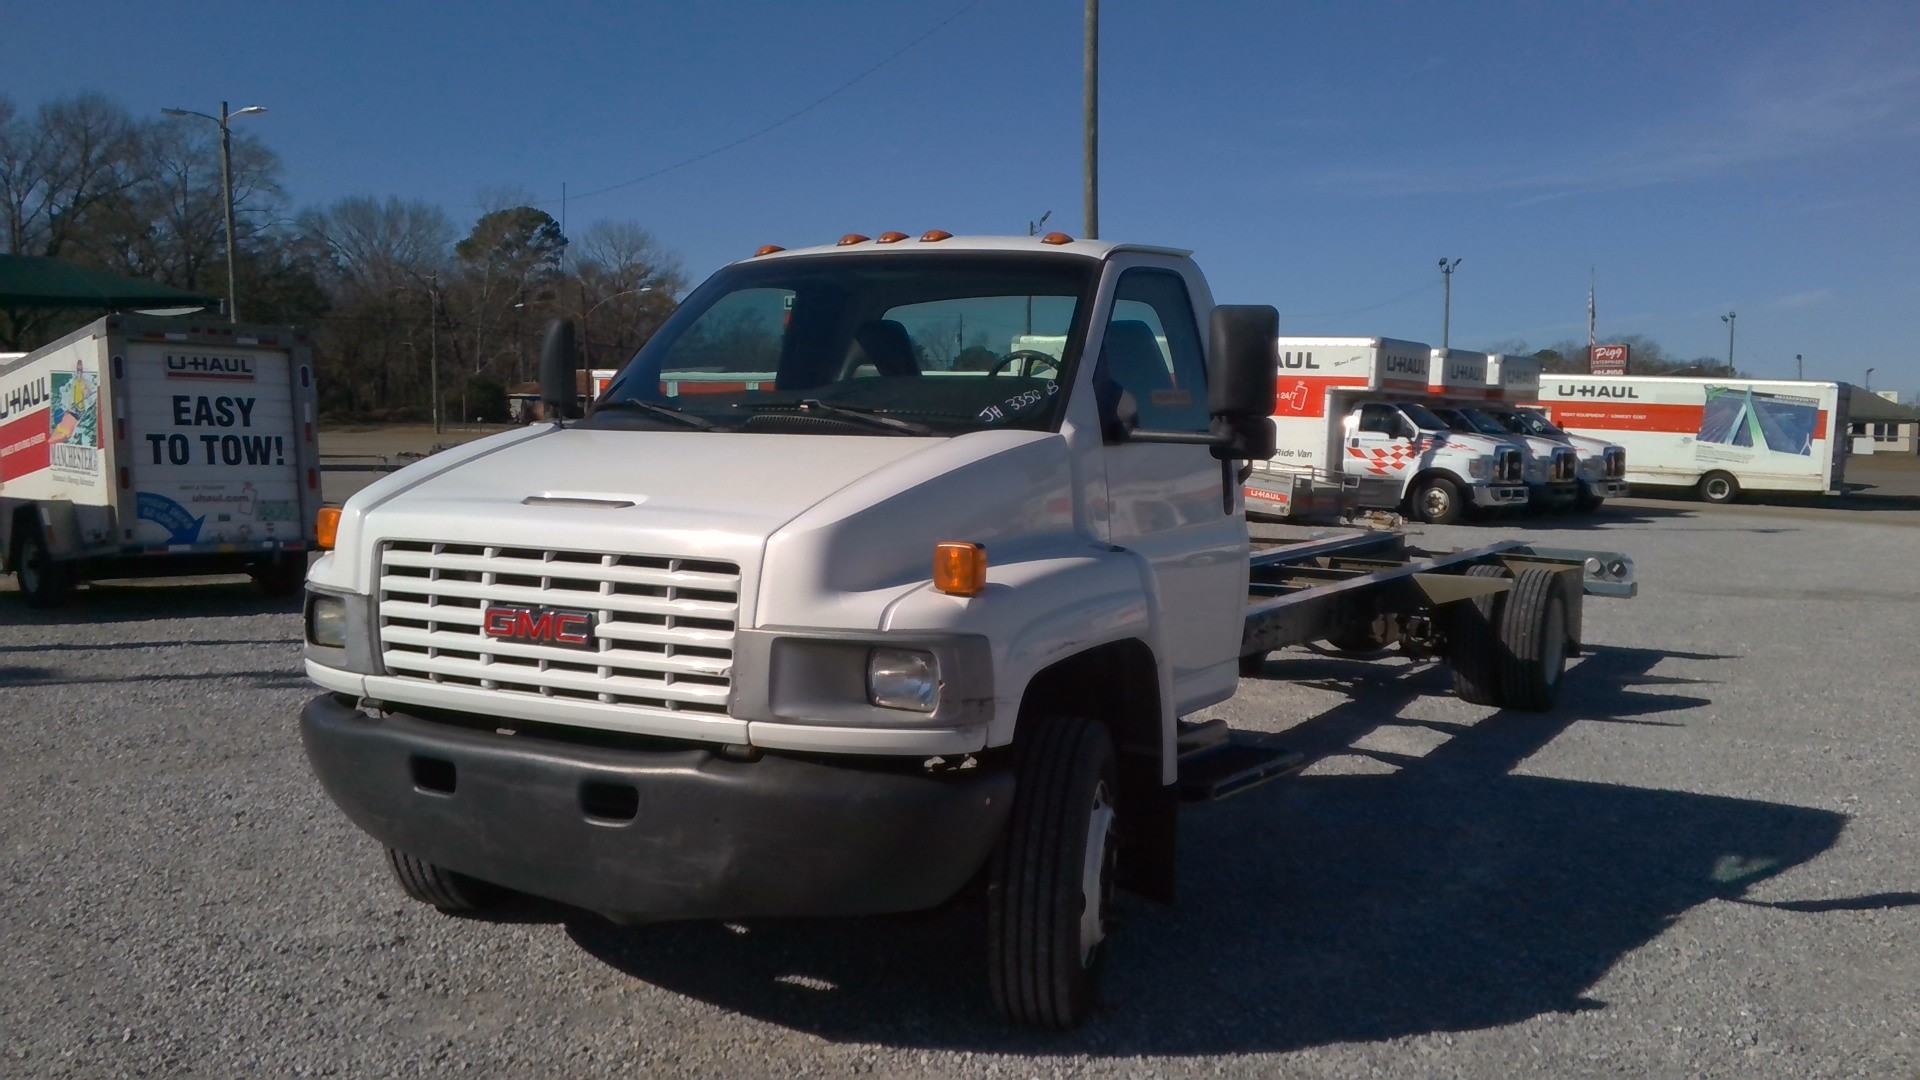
(1379, 450)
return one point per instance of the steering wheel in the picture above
(1029, 355)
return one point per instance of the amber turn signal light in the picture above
(767, 250)
(1056, 238)
(934, 236)
(892, 237)
(852, 238)
(960, 568)
(326, 527)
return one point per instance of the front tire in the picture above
(44, 582)
(1051, 884)
(1587, 502)
(1719, 488)
(1437, 501)
(429, 883)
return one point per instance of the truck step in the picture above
(1232, 766)
(1194, 736)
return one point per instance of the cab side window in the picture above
(1152, 352)
(1380, 420)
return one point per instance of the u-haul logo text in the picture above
(1591, 391)
(31, 395)
(188, 366)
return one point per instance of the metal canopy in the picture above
(35, 281)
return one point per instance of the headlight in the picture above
(327, 622)
(903, 679)
(1480, 468)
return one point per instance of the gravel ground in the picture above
(1704, 864)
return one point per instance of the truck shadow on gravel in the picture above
(114, 602)
(1445, 895)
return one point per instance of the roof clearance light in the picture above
(960, 568)
(892, 237)
(1056, 238)
(768, 250)
(934, 236)
(852, 238)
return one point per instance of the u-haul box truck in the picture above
(1352, 410)
(153, 446)
(1719, 436)
(1513, 399)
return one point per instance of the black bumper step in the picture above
(1229, 767)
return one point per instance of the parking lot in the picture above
(1706, 862)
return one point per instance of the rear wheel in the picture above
(1437, 501)
(436, 885)
(1473, 636)
(281, 579)
(1051, 884)
(44, 582)
(1719, 487)
(1533, 638)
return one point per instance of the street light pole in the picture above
(225, 120)
(1869, 386)
(1728, 318)
(1446, 309)
(1799, 367)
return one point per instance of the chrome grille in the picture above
(1510, 468)
(1566, 464)
(1616, 464)
(662, 625)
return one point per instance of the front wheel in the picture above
(1719, 487)
(1437, 501)
(1051, 884)
(1587, 501)
(431, 883)
(44, 582)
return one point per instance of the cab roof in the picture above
(936, 240)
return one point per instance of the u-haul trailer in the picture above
(1718, 436)
(144, 446)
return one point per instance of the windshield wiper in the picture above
(654, 408)
(841, 412)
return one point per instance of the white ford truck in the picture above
(835, 637)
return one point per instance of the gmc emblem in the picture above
(541, 626)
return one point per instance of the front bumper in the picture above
(1605, 489)
(1499, 494)
(648, 835)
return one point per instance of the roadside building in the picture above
(1879, 426)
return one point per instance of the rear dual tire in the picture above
(1509, 649)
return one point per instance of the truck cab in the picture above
(1513, 385)
(1550, 468)
(840, 597)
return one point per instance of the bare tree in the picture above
(58, 168)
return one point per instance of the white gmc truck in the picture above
(840, 603)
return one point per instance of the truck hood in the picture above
(720, 496)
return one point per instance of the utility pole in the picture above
(1446, 310)
(1728, 318)
(1093, 119)
(225, 120)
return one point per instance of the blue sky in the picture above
(1700, 158)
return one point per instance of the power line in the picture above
(790, 117)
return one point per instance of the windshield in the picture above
(1484, 424)
(1423, 417)
(1527, 422)
(933, 344)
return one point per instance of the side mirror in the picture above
(1240, 380)
(559, 368)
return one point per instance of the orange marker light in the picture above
(768, 250)
(852, 238)
(327, 527)
(892, 237)
(1056, 238)
(934, 236)
(960, 568)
